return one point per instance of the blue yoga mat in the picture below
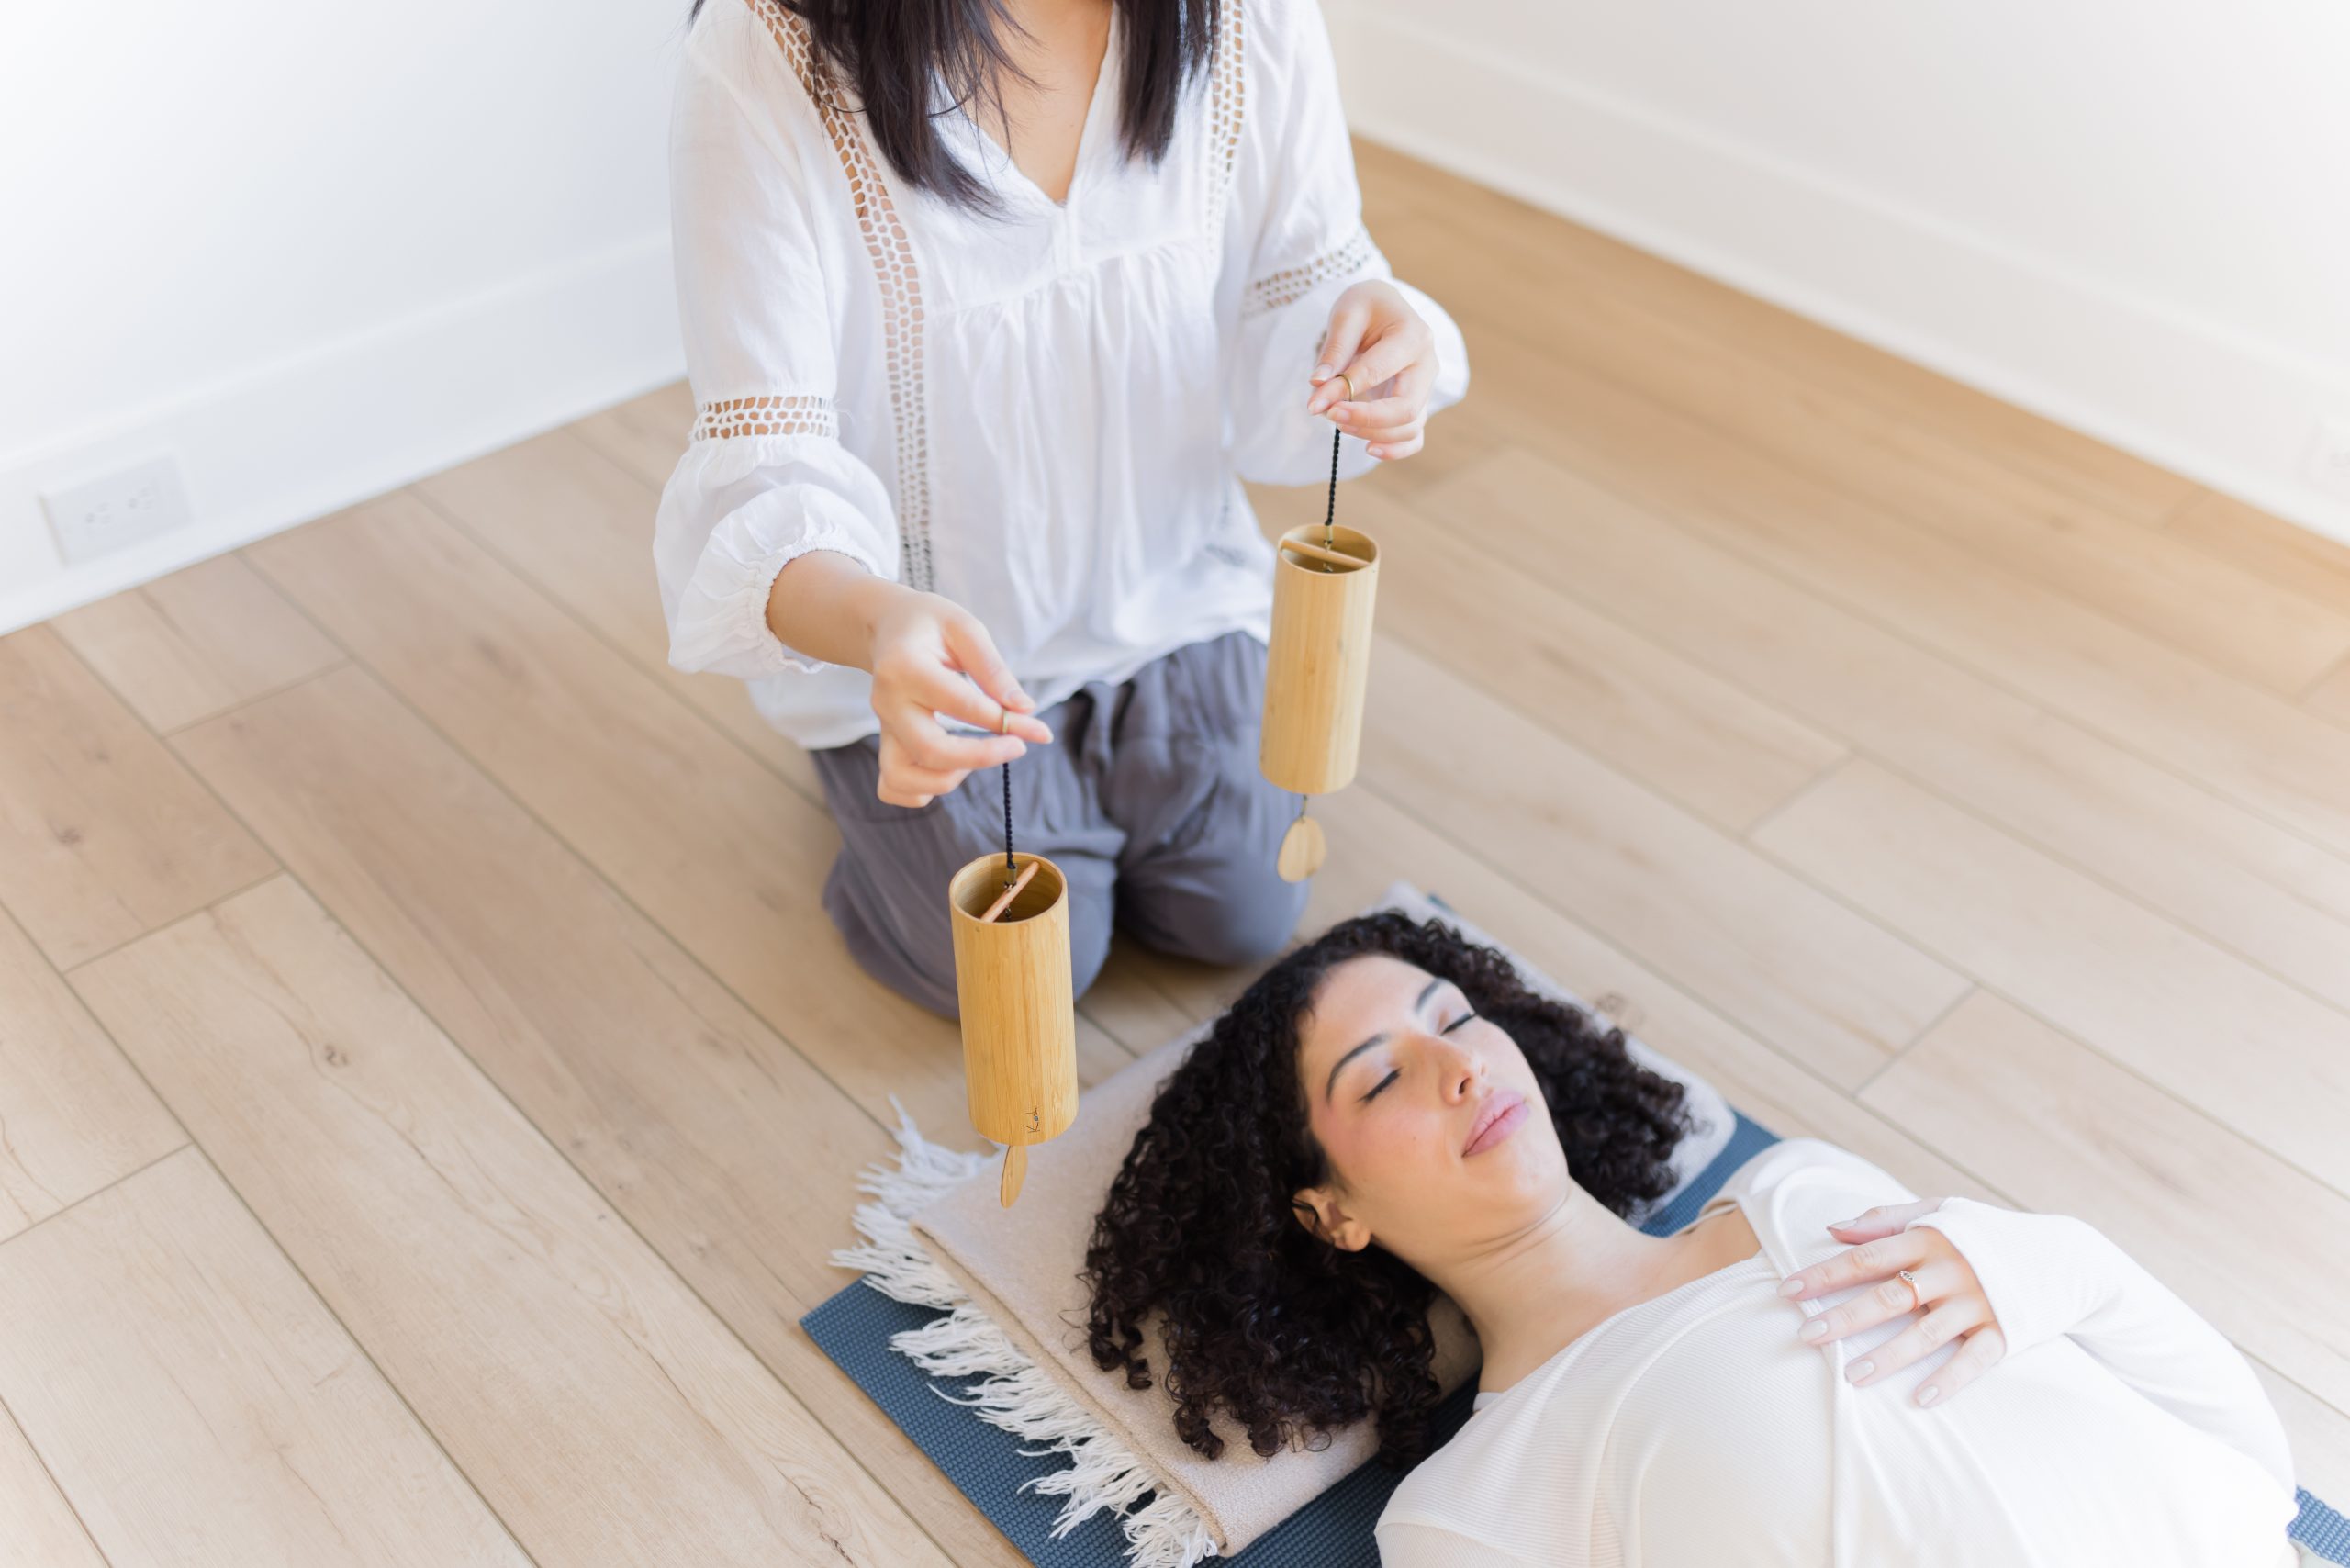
(1333, 1532)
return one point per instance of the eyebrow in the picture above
(1380, 1038)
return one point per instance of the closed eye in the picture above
(1393, 1074)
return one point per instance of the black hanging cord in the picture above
(1331, 510)
(1329, 540)
(1007, 821)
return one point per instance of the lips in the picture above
(1501, 1115)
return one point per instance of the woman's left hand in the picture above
(1951, 1297)
(1379, 342)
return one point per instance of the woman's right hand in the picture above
(923, 647)
(1942, 1287)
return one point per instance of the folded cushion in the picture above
(1019, 1267)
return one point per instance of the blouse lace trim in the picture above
(894, 269)
(1277, 289)
(1228, 104)
(767, 415)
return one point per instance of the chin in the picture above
(1517, 1177)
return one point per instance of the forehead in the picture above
(1357, 999)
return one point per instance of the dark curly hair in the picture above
(1291, 1336)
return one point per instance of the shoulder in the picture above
(1282, 39)
(1805, 1162)
(1794, 1190)
(755, 53)
(727, 39)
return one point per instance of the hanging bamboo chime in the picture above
(1012, 987)
(1317, 669)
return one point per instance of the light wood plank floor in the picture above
(431, 1086)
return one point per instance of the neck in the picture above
(1530, 1293)
(1049, 15)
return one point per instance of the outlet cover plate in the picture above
(116, 511)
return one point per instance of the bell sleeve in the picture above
(765, 478)
(1299, 213)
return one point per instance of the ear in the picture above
(1325, 1218)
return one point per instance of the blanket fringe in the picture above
(1013, 1393)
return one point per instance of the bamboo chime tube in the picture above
(1317, 669)
(1012, 987)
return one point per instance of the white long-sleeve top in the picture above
(1695, 1430)
(1043, 416)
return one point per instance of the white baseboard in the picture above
(2229, 411)
(353, 419)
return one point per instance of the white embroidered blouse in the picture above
(1043, 416)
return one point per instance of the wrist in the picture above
(872, 606)
(827, 604)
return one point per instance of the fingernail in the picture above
(1793, 1287)
(1343, 414)
(1861, 1370)
(1929, 1394)
(1815, 1328)
(1842, 1224)
(1376, 450)
(1323, 372)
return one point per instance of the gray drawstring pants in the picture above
(1149, 800)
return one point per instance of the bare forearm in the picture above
(825, 604)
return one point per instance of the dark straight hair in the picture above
(893, 49)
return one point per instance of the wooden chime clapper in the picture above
(1011, 985)
(1318, 668)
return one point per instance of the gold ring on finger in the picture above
(1351, 384)
(1916, 1296)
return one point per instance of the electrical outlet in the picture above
(116, 511)
(2328, 460)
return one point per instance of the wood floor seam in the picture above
(186, 1141)
(63, 1495)
(1746, 834)
(242, 703)
(1931, 1024)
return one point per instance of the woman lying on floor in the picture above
(1366, 1127)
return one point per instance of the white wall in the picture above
(2132, 216)
(316, 249)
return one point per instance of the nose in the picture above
(1462, 1069)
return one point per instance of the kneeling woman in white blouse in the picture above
(1388, 1113)
(984, 330)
